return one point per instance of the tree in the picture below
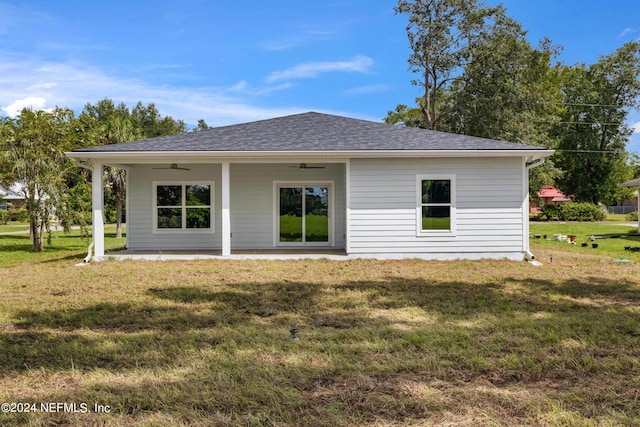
(116, 124)
(499, 86)
(592, 132)
(407, 116)
(32, 147)
(202, 125)
(443, 35)
(148, 120)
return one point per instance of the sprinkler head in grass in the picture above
(293, 332)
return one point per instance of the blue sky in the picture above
(236, 61)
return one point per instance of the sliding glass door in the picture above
(303, 215)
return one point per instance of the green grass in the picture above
(617, 218)
(611, 239)
(13, 227)
(380, 342)
(18, 248)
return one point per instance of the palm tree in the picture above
(118, 129)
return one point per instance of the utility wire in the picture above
(587, 151)
(579, 123)
(581, 104)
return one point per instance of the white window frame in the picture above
(452, 205)
(184, 229)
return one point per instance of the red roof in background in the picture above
(553, 193)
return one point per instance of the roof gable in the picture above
(310, 132)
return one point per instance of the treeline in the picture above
(32, 147)
(478, 75)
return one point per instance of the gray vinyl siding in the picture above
(252, 204)
(489, 203)
(253, 198)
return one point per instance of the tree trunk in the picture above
(118, 217)
(35, 235)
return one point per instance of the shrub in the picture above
(4, 217)
(19, 215)
(549, 212)
(580, 212)
(632, 216)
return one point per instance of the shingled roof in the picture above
(310, 132)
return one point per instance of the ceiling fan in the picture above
(306, 166)
(174, 166)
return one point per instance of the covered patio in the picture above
(257, 254)
(277, 208)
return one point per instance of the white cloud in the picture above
(25, 82)
(636, 127)
(32, 102)
(293, 41)
(359, 63)
(364, 90)
(626, 31)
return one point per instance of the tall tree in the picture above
(442, 36)
(592, 132)
(150, 122)
(114, 124)
(32, 147)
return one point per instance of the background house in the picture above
(548, 195)
(11, 198)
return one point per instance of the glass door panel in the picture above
(316, 214)
(304, 215)
(291, 214)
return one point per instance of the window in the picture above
(183, 207)
(435, 210)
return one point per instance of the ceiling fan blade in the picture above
(174, 166)
(305, 166)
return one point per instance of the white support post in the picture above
(347, 189)
(97, 185)
(226, 213)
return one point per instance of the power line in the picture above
(581, 104)
(588, 151)
(579, 123)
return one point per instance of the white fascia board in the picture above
(202, 156)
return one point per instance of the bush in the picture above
(4, 217)
(19, 215)
(632, 216)
(580, 212)
(549, 212)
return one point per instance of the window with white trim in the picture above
(183, 207)
(435, 209)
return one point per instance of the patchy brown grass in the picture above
(380, 343)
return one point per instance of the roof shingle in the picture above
(311, 132)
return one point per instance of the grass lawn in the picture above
(611, 239)
(16, 249)
(13, 227)
(380, 342)
(617, 218)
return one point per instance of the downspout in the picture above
(530, 165)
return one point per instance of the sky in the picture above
(231, 62)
